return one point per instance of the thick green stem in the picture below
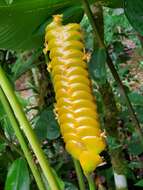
(91, 182)
(21, 140)
(112, 68)
(79, 174)
(26, 127)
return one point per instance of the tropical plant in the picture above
(30, 136)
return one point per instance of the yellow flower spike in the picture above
(84, 131)
(68, 128)
(79, 79)
(72, 44)
(72, 136)
(91, 141)
(66, 117)
(83, 111)
(75, 148)
(83, 103)
(77, 71)
(75, 104)
(75, 27)
(58, 19)
(89, 161)
(86, 120)
(81, 94)
(68, 62)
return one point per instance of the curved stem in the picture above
(112, 68)
(92, 21)
(123, 91)
(79, 174)
(26, 127)
(21, 140)
(91, 182)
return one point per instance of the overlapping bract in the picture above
(76, 106)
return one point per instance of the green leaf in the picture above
(112, 143)
(139, 183)
(2, 112)
(136, 98)
(70, 186)
(9, 1)
(139, 112)
(20, 21)
(8, 130)
(70, 14)
(135, 165)
(46, 126)
(18, 176)
(97, 67)
(2, 146)
(134, 145)
(134, 12)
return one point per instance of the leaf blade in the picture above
(19, 20)
(15, 178)
(134, 13)
(97, 67)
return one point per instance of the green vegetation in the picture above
(32, 151)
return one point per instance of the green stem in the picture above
(79, 173)
(112, 68)
(123, 92)
(26, 127)
(92, 21)
(21, 140)
(91, 182)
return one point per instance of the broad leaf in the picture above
(97, 66)
(134, 146)
(46, 126)
(9, 1)
(18, 176)
(139, 112)
(20, 21)
(70, 186)
(136, 98)
(134, 12)
(8, 130)
(2, 113)
(135, 165)
(139, 183)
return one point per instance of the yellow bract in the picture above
(89, 161)
(76, 105)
